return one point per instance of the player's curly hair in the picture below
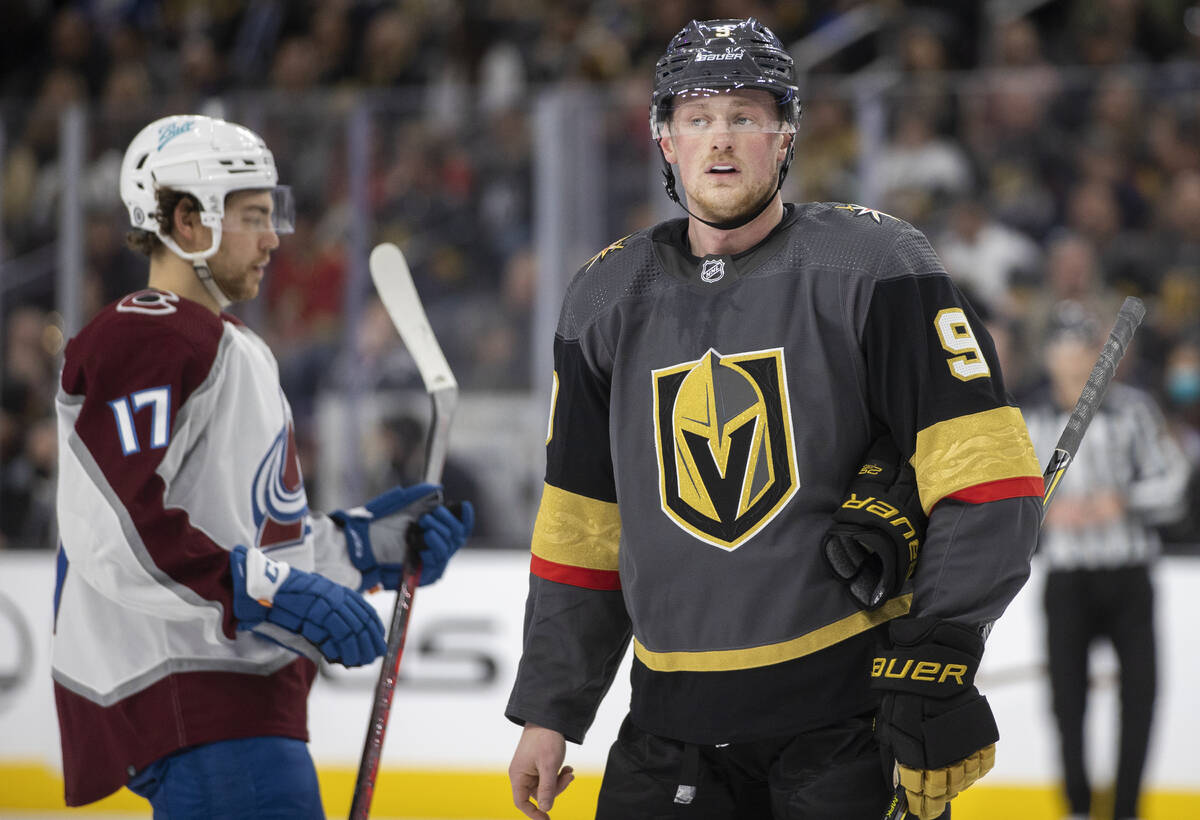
(147, 242)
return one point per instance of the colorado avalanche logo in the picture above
(280, 505)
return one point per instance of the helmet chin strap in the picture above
(199, 260)
(204, 274)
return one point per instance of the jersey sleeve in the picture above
(126, 415)
(331, 558)
(578, 528)
(576, 626)
(935, 382)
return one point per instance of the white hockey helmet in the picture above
(207, 158)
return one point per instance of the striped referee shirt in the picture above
(1128, 449)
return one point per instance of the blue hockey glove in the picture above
(332, 617)
(380, 533)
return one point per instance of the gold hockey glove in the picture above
(930, 791)
(932, 720)
(878, 529)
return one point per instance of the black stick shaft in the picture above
(1128, 319)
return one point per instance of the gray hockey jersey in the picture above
(708, 417)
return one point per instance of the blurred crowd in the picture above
(1052, 156)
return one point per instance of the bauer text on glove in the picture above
(933, 723)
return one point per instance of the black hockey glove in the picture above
(933, 723)
(872, 546)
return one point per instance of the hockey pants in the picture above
(832, 773)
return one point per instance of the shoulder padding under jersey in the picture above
(149, 330)
(865, 240)
(625, 268)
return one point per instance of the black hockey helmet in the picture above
(713, 55)
(724, 54)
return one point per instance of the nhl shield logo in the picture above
(713, 270)
(726, 456)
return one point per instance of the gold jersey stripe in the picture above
(958, 453)
(575, 530)
(727, 660)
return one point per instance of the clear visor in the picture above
(271, 209)
(710, 111)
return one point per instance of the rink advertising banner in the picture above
(448, 744)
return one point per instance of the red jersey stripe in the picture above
(575, 576)
(1019, 487)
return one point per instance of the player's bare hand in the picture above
(536, 771)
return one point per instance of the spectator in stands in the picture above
(1126, 261)
(829, 144)
(1072, 274)
(27, 446)
(31, 169)
(990, 258)
(1021, 153)
(331, 35)
(391, 50)
(1178, 236)
(1181, 381)
(925, 43)
(919, 170)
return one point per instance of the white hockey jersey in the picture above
(175, 444)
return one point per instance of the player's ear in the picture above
(185, 219)
(785, 144)
(667, 144)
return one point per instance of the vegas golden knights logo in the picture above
(726, 459)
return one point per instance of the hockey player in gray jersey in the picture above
(719, 381)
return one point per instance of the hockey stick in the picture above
(1128, 318)
(399, 296)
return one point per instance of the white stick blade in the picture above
(393, 282)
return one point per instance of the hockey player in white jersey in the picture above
(196, 590)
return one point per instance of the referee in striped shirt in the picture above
(1098, 542)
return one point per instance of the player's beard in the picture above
(725, 204)
(239, 285)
